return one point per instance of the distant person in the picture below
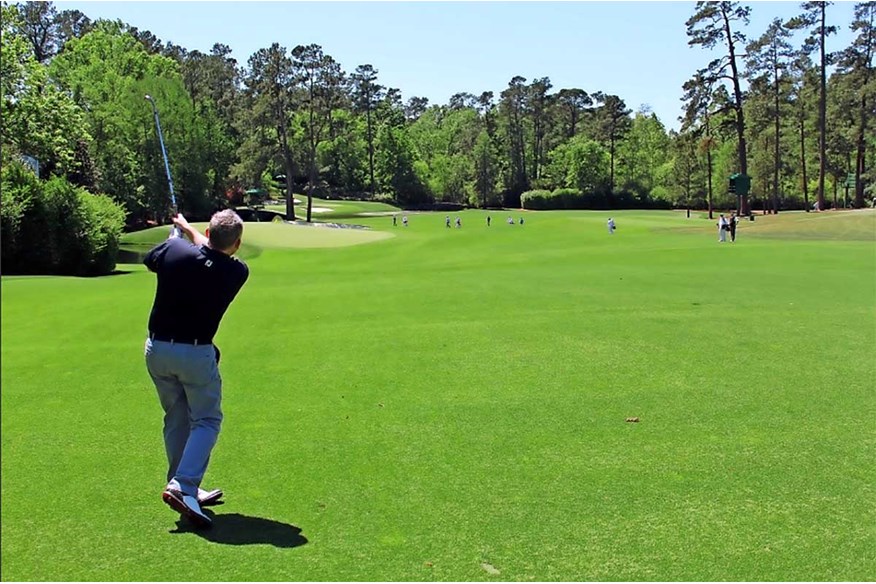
(405, 220)
(458, 222)
(611, 226)
(488, 220)
(734, 219)
(510, 220)
(723, 226)
(196, 282)
(447, 221)
(521, 220)
(394, 221)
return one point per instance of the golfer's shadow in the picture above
(237, 529)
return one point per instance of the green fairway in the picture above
(425, 403)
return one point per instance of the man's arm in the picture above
(193, 234)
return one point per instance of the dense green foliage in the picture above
(72, 98)
(448, 399)
(54, 227)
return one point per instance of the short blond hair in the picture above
(226, 227)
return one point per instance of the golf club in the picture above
(174, 230)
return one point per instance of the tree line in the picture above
(293, 121)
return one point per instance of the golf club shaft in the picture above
(174, 229)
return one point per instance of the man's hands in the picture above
(193, 234)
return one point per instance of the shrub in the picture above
(102, 221)
(20, 189)
(538, 200)
(54, 227)
(567, 198)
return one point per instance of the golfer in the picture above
(196, 283)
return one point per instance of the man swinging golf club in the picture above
(196, 283)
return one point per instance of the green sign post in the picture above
(740, 185)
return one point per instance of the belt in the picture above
(179, 339)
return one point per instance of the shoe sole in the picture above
(183, 509)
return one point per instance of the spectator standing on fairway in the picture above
(447, 221)
(196, 283)
(611, 226)
(405, 220)
(488, 220)
(394, 221)
(734, 219)
(722, 229)
(458, 222)
(510, 220)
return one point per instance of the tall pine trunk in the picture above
(803, 164)
(740, 116)
(776, 153)
(822, 117)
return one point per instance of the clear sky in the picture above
(636, 50)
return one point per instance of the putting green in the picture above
(277, 235)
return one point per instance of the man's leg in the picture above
(203, 389)
(171, 395)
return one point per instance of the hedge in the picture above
(54, 227)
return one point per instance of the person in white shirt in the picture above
(611, 226)
(723, 226)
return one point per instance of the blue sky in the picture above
(637, 50)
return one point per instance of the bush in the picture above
(19, 190)
(103, 220)
(539, 200)
(568, 198)
(54, 227)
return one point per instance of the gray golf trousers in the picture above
(190, 391)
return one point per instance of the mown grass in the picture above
(446, 404)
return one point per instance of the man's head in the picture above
(225, 231)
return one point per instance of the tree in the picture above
(582, 164)
(814, 15)
(643, 152)
(37, 118)
(539, 104)
(685, 166)
(271, 84)
(803, 77)
(612, 124)
(767, 58)
(314, 70)
(485, 164)
(711, 24)
(395, 165)
(512, 111)
(367, 93)
(572, 103)
(212, 81)
(698, 99)
(415, 108)
(39, 25)
(107, 72)
(857, 62)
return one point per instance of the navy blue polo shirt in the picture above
(195, 286)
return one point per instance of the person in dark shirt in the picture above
(196, 283)
(734, 220)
